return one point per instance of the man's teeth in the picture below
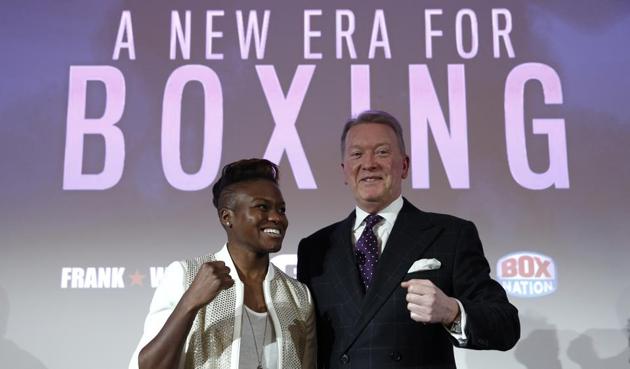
(272, 231)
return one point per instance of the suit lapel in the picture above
(410, 237)
(344, 264)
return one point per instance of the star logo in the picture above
(137, 279)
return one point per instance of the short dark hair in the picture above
(241, 171)
(378, 117)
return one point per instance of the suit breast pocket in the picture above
(437, 276)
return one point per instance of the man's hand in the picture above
(428, 304)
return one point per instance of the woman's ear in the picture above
(226, 215)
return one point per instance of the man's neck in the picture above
(373, 208)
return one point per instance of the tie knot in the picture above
(371, 220)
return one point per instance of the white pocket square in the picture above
(424, 264)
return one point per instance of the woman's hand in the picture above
(212, 278)
(164, 351)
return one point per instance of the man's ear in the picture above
(405, 171)
(344, 174)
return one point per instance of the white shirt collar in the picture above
(390, 213)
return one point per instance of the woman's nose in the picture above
(276, 215)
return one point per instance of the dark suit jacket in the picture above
(374, 330)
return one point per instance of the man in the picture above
(395, 287)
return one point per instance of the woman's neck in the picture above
(251, 267)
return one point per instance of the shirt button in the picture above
(345, 359)
(395, 356)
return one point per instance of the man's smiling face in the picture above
(374, 165)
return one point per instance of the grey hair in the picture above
(378, 117)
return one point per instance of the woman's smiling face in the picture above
(258, 219)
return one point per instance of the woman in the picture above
(233, 309)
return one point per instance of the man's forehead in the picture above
(371, 135)
(372, 126)
(363, 143)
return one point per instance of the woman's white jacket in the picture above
(214, 339)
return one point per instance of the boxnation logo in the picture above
(527, 274)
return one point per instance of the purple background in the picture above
(143, 221)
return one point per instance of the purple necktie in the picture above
(367, 250)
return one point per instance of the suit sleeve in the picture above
(492, 322)
(310, 352)
(302, 273)
(307, 256)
